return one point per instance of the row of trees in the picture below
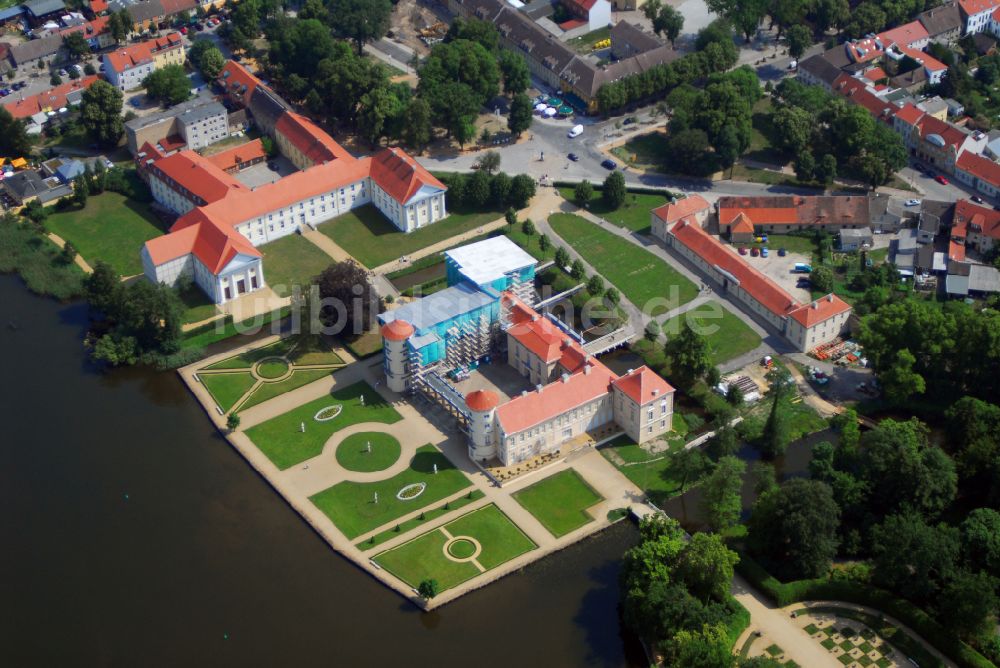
(827, 135)
(482, 190)
(716, 52)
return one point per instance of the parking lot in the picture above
(782, 271)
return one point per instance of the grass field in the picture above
(39, 262)
(284, 444)
(353, 454)
(634, 214)
(226, 388)
(425, 516)
(351, 505)
(727, 334)
(372, 240)
(585, 43)
(247, 359)
(298, 378)
(110, 228)
(656, 475)
(644, 279)
(424, 557)
(559, 502)
(197, 306)
(217, 331)
(292, 261)
(369, 343)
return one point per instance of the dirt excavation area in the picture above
(418, 24)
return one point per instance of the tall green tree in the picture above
(101, 112)
(968, 604)
(614, 191)
(582, 193)
(169, 85)
(721, 501)
(798, 38)
(15, 141)
(794, 529)
(417, 132)
(912, 556)
(76, 44)
(689, 356)
(706, 566)
(981, 541)
(516, 76)
(707, 648)
(689, 464)
(520, 117)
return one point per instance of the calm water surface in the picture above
(131, 534)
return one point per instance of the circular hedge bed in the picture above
(461, 548)
(272, 368)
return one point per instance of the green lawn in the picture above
(634, 214)
(299, 378)
(559, 502)
(110, 228)
(351, 505)
(272, 369)
(372, 240)
(292, 261)
(365, 345)
(426, 516)
(764, 137)
(793, 243)
(311, 350)
(227, 388)
(585, 43)
(530, 244)
(423, 557)
(247, 359)
(197, 306)
(222, 330)
(644, 279)
(646, 151)
(727, 334)
(655, 475)
(281, 439)
(353, 454)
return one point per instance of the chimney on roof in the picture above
(565, 378)
(586, 368)
(539, 388)
(829, 298)
(656, 391)
(524, 393)
(629, 372)
(815, 305)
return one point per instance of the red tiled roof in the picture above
(980, 167)
(904, 35)
(765, 210)
(401, 176)
(197, 175)
(214, 246)
(875, 73)
(582, 6)
(643, 385)
(973, 7)
(855, 90)
(52, 99)
(128, 57)
(90, 29)
(98, 6)
(951, 135)
(980, 218)
(928, 61)
(309, 138)
(863, 50)
(820, 310)
(397, 330)
(741, 224)
(481, 400)
(956, 251)
(764, 290)
(171, 7)
(541, 337)
(909, 114)
(238, 155)
(238, 80)
(674, 211)
(528, 410)
(172, 143)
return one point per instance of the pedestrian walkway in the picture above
(80, 262)
(327, 245)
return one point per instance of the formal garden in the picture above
(644, 279)
(301, 433)
(460, 550)
(252, 377)
(560, 502)
(359, 507)
(859, 639)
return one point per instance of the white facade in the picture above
(205, 131)
(243, 274)
(424, 208)
(129, 78)
(599, 15)
(820, 333)
(550, 435)
(394, 364)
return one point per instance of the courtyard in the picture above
(498, 376)
(262, 174)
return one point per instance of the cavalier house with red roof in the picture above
(435, 344)
(806, 326)
(222, 220)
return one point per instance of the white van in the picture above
(575, 132)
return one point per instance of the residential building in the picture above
(943, 24)
(28, 185)
(977, 14)
(126, 67)
(805, 326)
(629, 39)
(222, 220)
(851, 240)
(818, 70)
(193, 124)
(62, 96)
(665, 216)
(978, 172)
(595, 14)
(934, 141)
(976, 226)
(780, 214)
(38, 52)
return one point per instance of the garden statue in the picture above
(302, 427)
(376, 498)
(435, 469)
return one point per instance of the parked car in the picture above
(942, 180)
(573, 156)
(63, 73)
(628, 121)
(184, 30)
(754, 252)
(19, 85)
(743, 250)
(608, 163)
(912, 202)
(575, 131)
(977, 199)
(782, 252)
(763, 251)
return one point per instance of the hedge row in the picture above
(739, 621)
(638, 190)
(824, 589)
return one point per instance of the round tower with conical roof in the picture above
(394, 362)
(482, 407)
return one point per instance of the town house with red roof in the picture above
(126, 67)
(222, 220)
(935, 141)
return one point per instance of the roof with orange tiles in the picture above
(541, 336)
(238, 155)
(309, 138)
(401, 176)
(778, 210)
(172, 143)
(929, 62)
(98, 6)
(863, 50)
(149, 151)
(857, 92)
(197, 175)
(171, 7)
(909, 114)
(973, 7)
(569, 392)
(980, 167)
(90, 29)
(643, 385)
(397, 330)
(875, 74)
(981, 219)
(674, 211)
(951, 134)
(905, 35)
(481, 400)
(770, 295)
(214, 246)
(819, 310)
(237, 80)
(130, 56)
(54, 98)
(741, 224)
(956, 251)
